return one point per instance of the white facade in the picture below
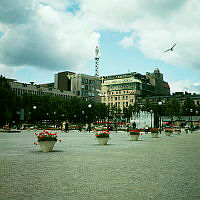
(22, 88)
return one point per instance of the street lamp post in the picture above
(151, 111)
(191, 110)
(34, 108)
(89, 117)
(159, 117)
(115, 112)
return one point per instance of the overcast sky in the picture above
(39, 38)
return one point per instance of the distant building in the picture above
(62, 80)
(34, 89)
(123, 90)
(181, 97)
(80, 85)
(86, 86)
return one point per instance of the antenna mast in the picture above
(97, 57)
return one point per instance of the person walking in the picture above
(134, 125)
(67, 127)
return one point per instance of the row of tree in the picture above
(34, 109)
(168, 108)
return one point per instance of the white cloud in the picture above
(159, 24)
(8, 72)
(185, 85)
(127, 41)
(43, 33)
(52, 38)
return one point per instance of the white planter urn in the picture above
(154, 135)
(134, 137)
(47, 146)
(103, 141)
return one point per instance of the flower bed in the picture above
(154, 130)
(46, 136)
(135, 132)
(102, 133)
(169, 130)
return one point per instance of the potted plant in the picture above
(168, 131)
(102, 136)
(135, 134)
(154, 132)
(46, 140)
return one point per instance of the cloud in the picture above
(185, 85)
(8, 71)
(127, 41)
(16, 11)
(52, 34)
(50, 37)
(158, 24)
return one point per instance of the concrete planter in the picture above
(47, 146)
(154, 135)
(135, 137)
(103, 141)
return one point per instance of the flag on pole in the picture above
(68, 76)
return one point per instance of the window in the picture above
(116, 98)
(126, 97)
(126, 104)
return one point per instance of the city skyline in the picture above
(41, 38)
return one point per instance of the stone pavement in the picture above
(152, 168)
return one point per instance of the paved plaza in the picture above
(80, 169)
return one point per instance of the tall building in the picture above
(86, 86)
(156, 80)
(80, 85)
(62, 80)
(123, 90)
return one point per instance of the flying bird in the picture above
(171, 49)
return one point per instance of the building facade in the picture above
(81, 85)
(86, 86)
(120, 90)
(39, 90)
(124, 89)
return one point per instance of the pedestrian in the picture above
(67, 127)
(146, 129)
(134, 125)
(89, 127)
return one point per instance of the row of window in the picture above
(19, 91)
(118, 92)
(87, 81)
(87, 87)
(118, 104)
(86, 93)
(118, 98)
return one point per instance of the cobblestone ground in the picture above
(78, 168)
